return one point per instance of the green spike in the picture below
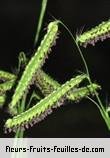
(48, 102)
(34, 64)
(100, 32)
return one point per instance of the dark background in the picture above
(18, 21)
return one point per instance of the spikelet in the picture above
(34, 64)
(47, 85)
(100, 32)
(44, 107)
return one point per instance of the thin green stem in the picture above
(108, 109)
(87, 71)
(34, 95)
(19, 133)
(22, 61)
(107, 121)
(41, 17)
(101, 107)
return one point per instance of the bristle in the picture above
(26, 125)
(49, 111)
(5, 131)
(22, 128)
(9, 130)
(14, 129)
(35, 120)
(94, 40)
(31, 123)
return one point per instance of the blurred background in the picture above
(18, 22)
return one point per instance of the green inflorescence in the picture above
(34, 64)
(8, 80)
(46, 93)
(6, 75)
(43, 108)
(46, 103)
(7, 85)
(47, 85)
(55, 94)
(100, 32)
(2, 100)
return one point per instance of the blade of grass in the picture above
(20, 133)
(41, 17)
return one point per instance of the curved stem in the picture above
(101, 107)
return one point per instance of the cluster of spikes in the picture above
(53, 93)
(98, 33)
